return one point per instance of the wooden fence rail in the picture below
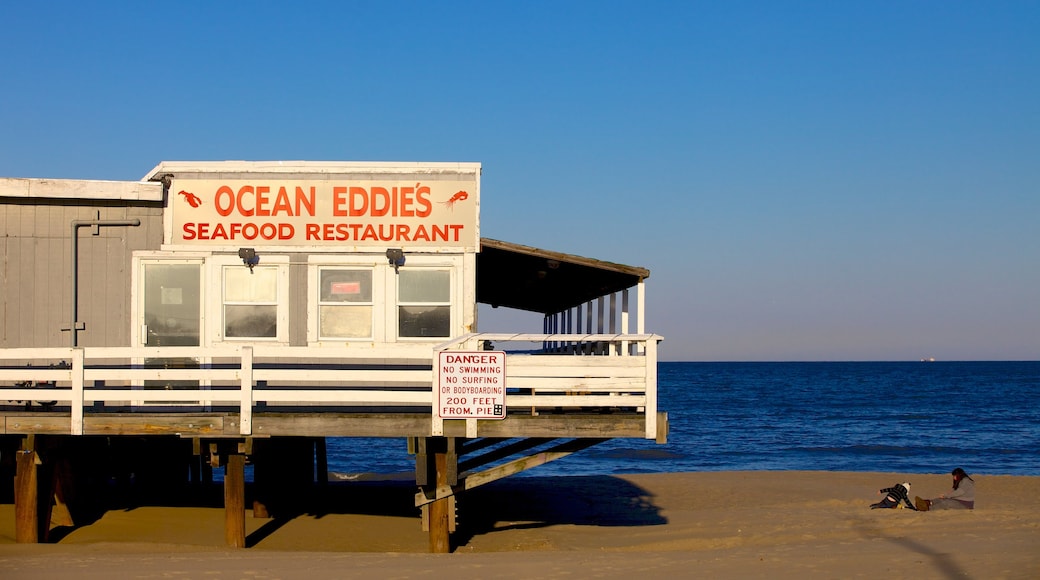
(387, 376)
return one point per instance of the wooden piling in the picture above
(26, 498)
(440, 536)
(235, 501)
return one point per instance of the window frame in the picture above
(215, 329)
(385, 312)
(449, 302)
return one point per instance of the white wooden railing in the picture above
(622, 372)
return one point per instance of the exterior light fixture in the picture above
(249, 257)
(396, 257)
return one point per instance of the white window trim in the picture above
(384, 294)
(358, 262)
(139, 260)
(215, 300)
(453, 265)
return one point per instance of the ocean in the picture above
(907, 417)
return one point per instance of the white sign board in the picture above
(472, 385)
(342, 213)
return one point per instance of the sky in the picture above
(804, 180)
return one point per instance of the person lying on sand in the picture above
(962, 496)
(899, 492)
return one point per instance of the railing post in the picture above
(436, 423)
(245, 425)
(624, 322)
(76, 404)
(650, 350)
(641, 308)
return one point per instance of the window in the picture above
(360, 298)
(171, 303)
(344, 303)
(250, 302)
(423, 303)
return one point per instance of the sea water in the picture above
(908, 417)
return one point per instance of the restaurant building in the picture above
(224, 314)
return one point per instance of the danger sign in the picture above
(472, 385)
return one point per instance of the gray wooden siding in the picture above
(298, 299)
(35, 271)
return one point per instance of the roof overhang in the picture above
(526, 278)
(315, 168)
(80, 189)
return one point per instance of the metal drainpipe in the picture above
(76, 225)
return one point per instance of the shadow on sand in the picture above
(512, 503)
(943, 563)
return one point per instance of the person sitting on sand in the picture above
(962, 496)
(896, 494)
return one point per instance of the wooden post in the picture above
(440, 538)
(235, 501)
(26, 499)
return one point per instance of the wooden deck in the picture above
(275, 405)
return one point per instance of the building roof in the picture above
(307, 167)
(526, 278)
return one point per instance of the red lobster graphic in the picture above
(192, 199)
(459, 196)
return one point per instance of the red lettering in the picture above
(421, 234)
(407, 200)
(422, 194)
(369, 234)
(281, 203)
(440, 233)
(338, 199)
(380, 193)
(261, 201)
(361, 196)
(224, 200)
(218, 232)
(238, 200)
(305, 200)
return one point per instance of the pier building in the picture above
(230, 316)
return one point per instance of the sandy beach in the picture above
(713, 524)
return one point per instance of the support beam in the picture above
(470, 481)
(234, 501)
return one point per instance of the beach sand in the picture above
(713, 524)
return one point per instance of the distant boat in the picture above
(928, 359)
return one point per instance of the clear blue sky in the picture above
(805, 180)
